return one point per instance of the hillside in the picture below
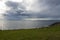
(48, 33)
(55, 24)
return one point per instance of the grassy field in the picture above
(48, 33)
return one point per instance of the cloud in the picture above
(52, 9)
(37, 8)
(12, 4)
(53, 2)
(16, 11)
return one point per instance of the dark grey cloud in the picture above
(50, 9)
(15, 5)
(16, 11)
(15, 14)
(53, 2)
(12, 4)
(50, 2)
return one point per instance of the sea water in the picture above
(24, 24)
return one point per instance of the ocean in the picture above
(25, 24)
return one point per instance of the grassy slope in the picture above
(50, 33)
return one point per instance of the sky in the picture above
(21, 9)
(29, 10)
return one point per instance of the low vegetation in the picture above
(48, 33)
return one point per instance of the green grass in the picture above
(48, 33)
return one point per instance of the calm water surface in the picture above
(24, 24)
